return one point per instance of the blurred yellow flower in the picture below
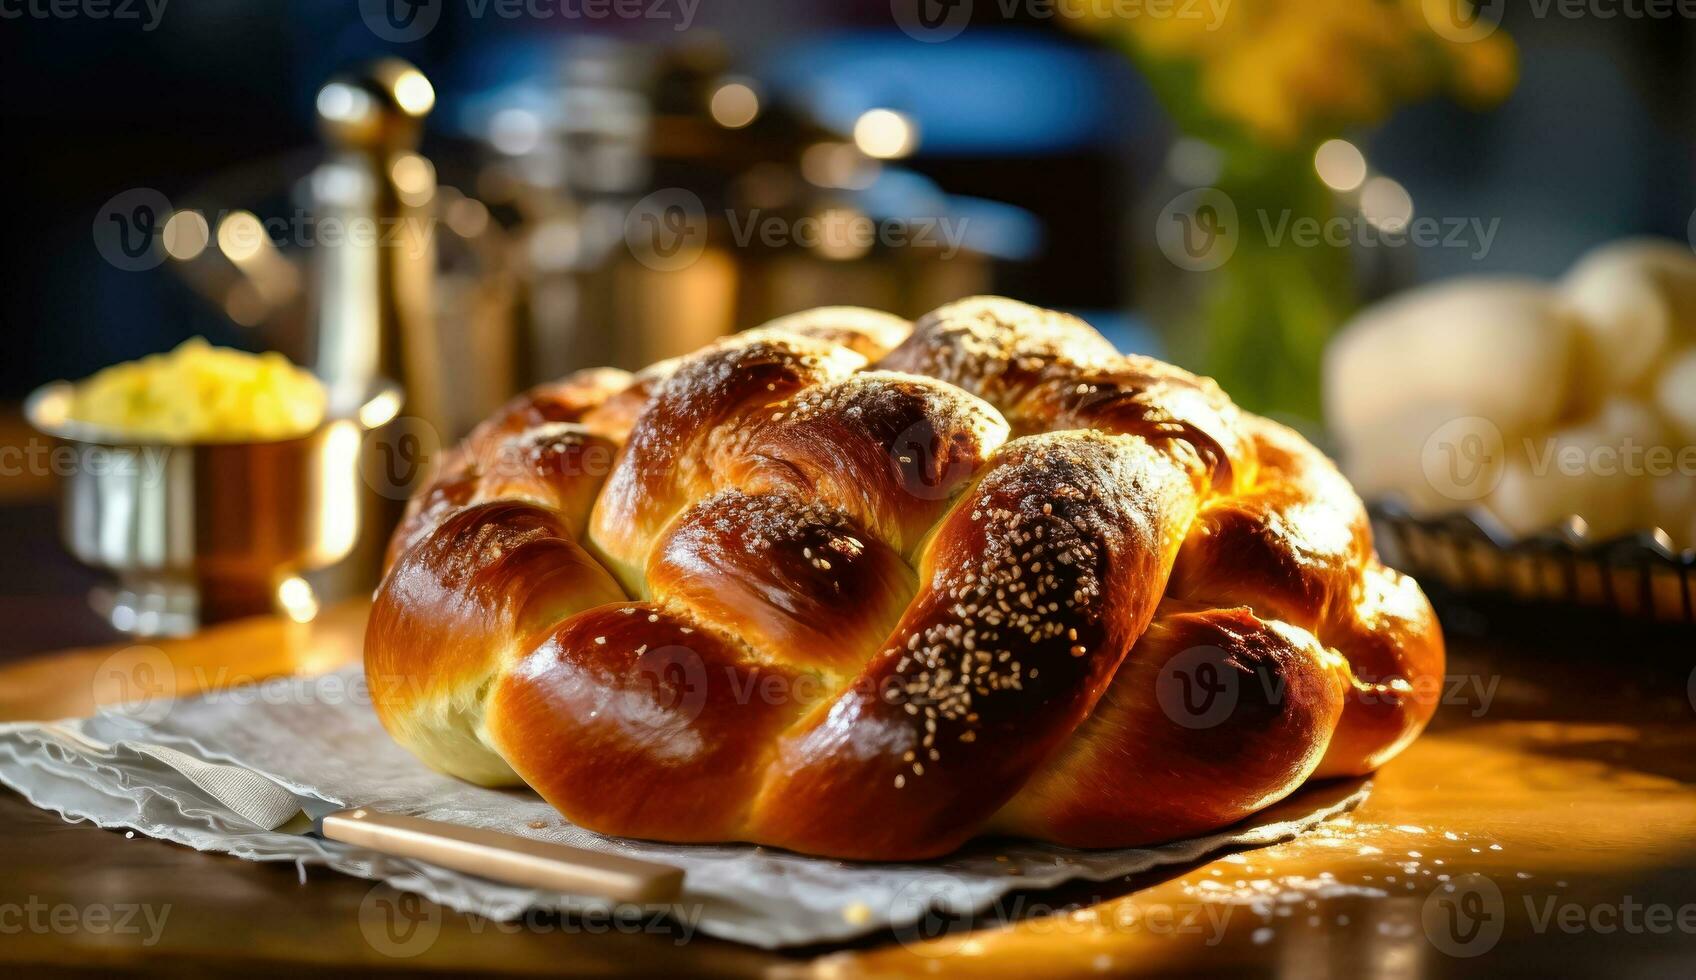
(1291, 72)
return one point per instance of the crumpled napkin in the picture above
(142, 766)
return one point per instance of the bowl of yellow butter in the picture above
(206, 481)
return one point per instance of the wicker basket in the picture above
(1639, 575)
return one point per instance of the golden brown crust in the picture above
(1394, 648)
(785, 576)
(1033, 590)
(659, 470)
(1142, 396)
(799, 588)
(482, 588)
(997, 349)
(1212, 716)
(631, 721)
(891, 450)
(1291, 545)
(547, 445)
(868, 333)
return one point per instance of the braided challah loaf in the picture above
(867, 590)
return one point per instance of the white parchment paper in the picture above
(319, 738)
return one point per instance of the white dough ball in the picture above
(1595, 470)
(1498, 349)
(1675, 393)
(1632, 298)
(1433, 461)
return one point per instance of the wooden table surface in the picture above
(1545, 825)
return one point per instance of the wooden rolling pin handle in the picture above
(506, 858)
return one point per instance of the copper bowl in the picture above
(201, 532)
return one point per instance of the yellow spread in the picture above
(200, 393)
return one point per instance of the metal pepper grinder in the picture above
(373, 278)
(375, 254)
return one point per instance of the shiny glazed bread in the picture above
(858, 588)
